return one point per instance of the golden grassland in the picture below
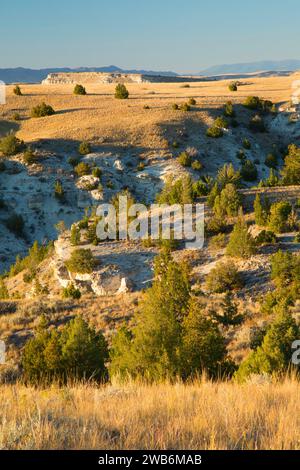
(99, 116)
(201, 415)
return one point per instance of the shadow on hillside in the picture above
(8, 126)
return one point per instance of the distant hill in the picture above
(24, 75)
(252, 67)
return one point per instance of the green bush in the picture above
(42, 110)
(228, 109)
(184, 159)
(121, 92)
(221, 122)
(192, 102)
(279, 215)
(214, 132)
(252, 102)
(75, 235)
(246, 144)
(81, 261)
(266, 237)
(71, 292)
(17, 90)
(227, 174)
(11, 145)
(223, 277)
(291, 170)
(175, 106)
(176, 192)
(76, 352)
(59, 192)
(84, 148)
(79, 90)
(274, 355)
(241, 244)
(233, 86)
(249, 171)
(82, 169)
(197, 165)
(261, 211)
(284, 268)
(228, 202)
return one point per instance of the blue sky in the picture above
(184, 36)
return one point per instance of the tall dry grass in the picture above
(201, 415)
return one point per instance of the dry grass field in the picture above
(99, 116)
(196, 416)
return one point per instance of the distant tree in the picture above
(84, 148)
(221, 122)
(223, 277)
(82, 169)
(203, 346)
(274, 355)
(246, 144)
(214, 132)
(17, 90)
(184, 159)
(42, 110)
(232, 86)
(79, 90)
(59, 190)
(291, 170)
(152, 348)
(228, 202)
(75, 235)
(252, 102)
(121, 92)
(75, 352)
(227, 174)
(192, 102)
(279, 216)
(261, 211)
(228, 109)
(241, 244)
(230, 314)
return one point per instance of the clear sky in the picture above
(178, 35)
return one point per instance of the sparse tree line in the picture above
(172, 334)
